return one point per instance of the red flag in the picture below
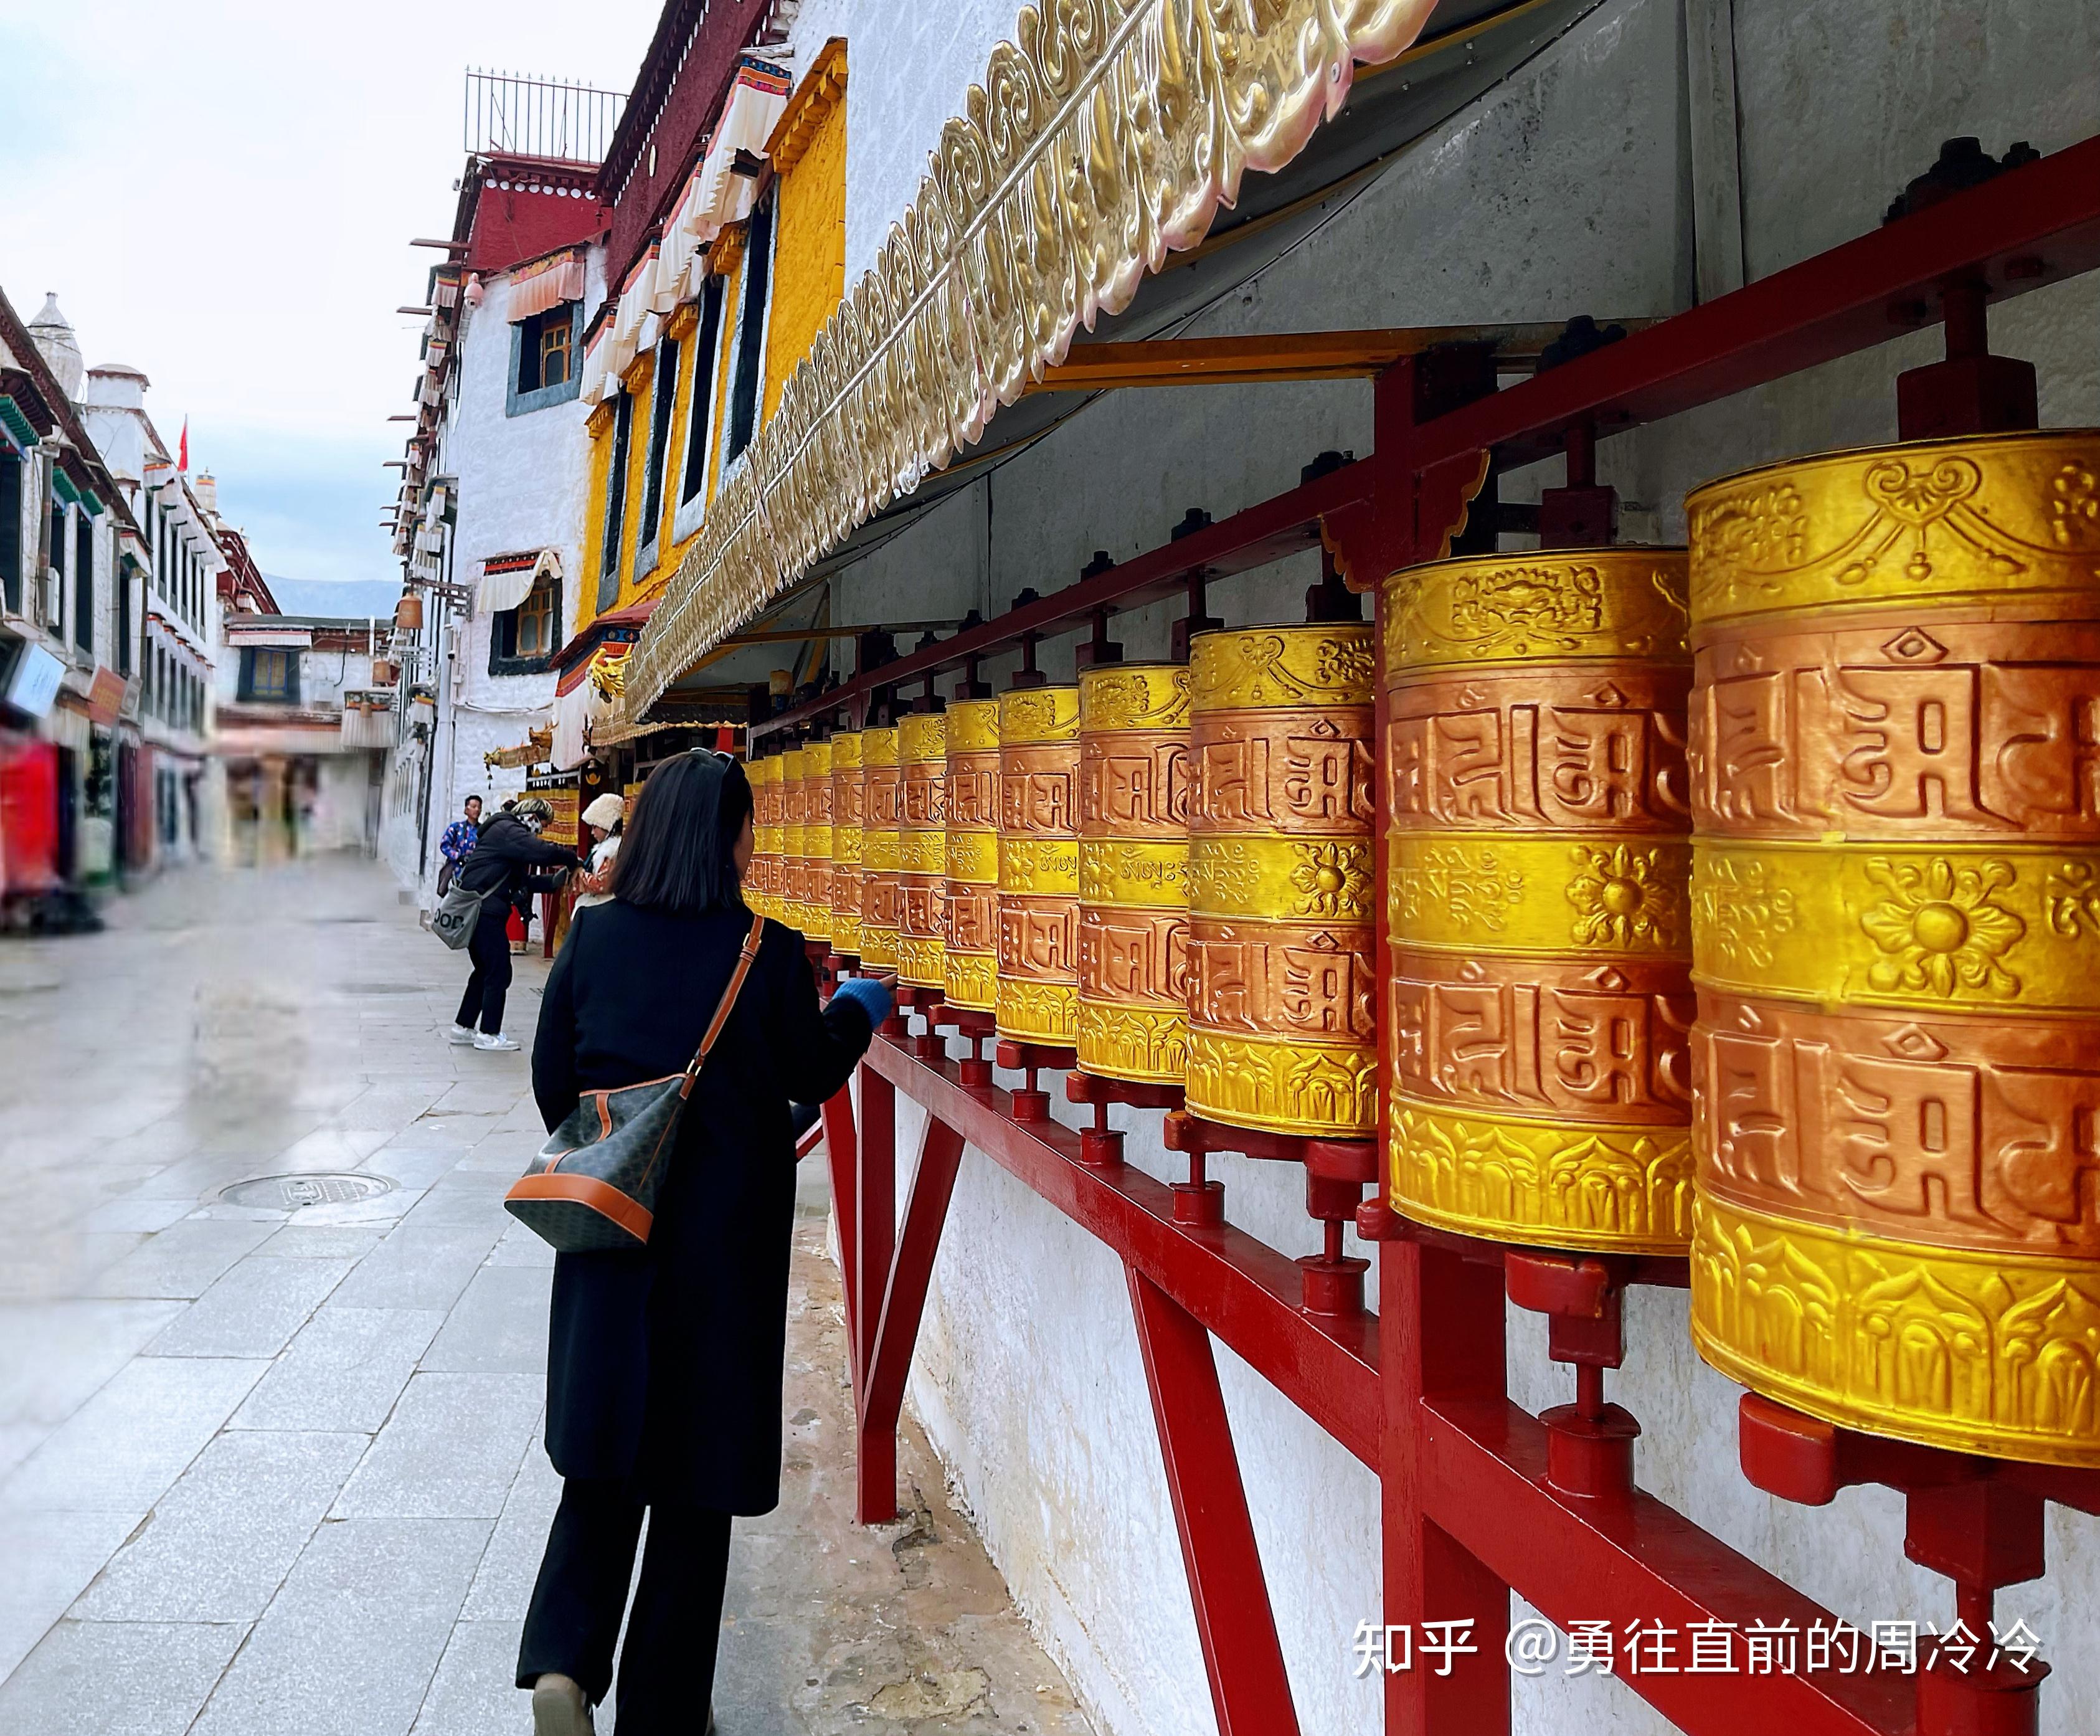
(182, 461)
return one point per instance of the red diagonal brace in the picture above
(1237, 1627)
(904, 1298)
(874, 1216)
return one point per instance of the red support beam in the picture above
(904, 1297)
(1235, 1625)
(874, 1238)
(1239, 1288)
(1483, 1468)
(842, 1153)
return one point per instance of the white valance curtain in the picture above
(509, 586)
(534, 289)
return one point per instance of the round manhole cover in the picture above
(287, 1193)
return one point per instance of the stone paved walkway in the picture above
(267, 1471)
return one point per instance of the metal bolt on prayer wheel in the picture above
(1536, 857)
(760, 893)
(849, 813)
(882, 788)
(972, 953)
(1133, 1020)
(1282, 921)
(816, 923)
(922, 852)
(1038, 992)
(1895, 917)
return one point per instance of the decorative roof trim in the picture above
(1104, 137)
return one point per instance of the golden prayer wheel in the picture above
(761, 890)
(883, 791)
(849, 812)
(816, 923)
(1895, 911)
(922, 852)
(793, 795)
(1134, 871)
(1537, 857)
(972, 954)
(1037, 998)
(1282, 916)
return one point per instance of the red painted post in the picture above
(1235, 1625)
(904, 1297)
(874, 1223)
(842, 1153)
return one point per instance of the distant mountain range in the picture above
(344, 599)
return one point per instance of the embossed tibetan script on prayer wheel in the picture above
(1896, 924)
(1282, 922)
(1134, 871)
(922, 850)
(1038, 999)
(848, 813)
(761, 892)
(972, 953)
(794, 800)
(1536, 857)
(816, 923)
(883, 786)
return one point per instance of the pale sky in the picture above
(222, 193)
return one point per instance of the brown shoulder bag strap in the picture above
(727, 1004)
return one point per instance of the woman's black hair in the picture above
(678, 852)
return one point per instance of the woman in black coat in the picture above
(664, 1365)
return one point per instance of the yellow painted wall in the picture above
(809, 253)
(600, 458)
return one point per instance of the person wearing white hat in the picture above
(606, 817)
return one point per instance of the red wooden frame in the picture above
(1478, 1496)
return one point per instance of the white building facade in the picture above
(491, 520)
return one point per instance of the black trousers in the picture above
(667, 1667)
(489, 947)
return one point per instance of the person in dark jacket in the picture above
(506, 852)
(664, 1364)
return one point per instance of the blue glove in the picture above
(871, 996)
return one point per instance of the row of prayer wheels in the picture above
(1165, 867)
(1743, 902)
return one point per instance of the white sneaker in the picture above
(483, 1039)
(460, 1034)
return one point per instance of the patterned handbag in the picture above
(594, 1186)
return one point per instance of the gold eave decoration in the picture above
(1105, 136)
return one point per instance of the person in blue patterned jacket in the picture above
(458, 844)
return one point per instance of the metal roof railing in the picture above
(518, 116)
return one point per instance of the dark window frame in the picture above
(504, 656)
(700, 415)
(13, 474)
(522, 399)
(615, 536)
(662, 406)
(287, 694)
(83, 582)
(751, 309)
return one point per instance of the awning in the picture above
(717, 196)
(507, 580)
(287, 639)
(547, 283)
(1049, 214)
